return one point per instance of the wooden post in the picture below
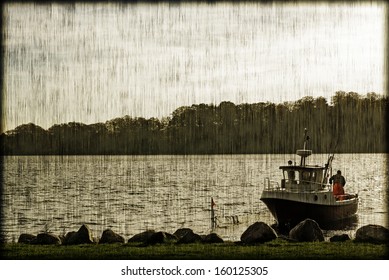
(213, 217)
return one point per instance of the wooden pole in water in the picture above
(213, 218)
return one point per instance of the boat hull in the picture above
(289, 213)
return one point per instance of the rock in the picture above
(161, 237)
(85, 234)
(307, 230)
(47, 239)
(181, 232)
(68, 237)
(186, 236)
(373, 234)
(142, 237)
(157, 237)
(258, 232)
(82, 236)
(27, 238)
(109, 236)
(340, 238)
(171, 237)
(213, 238)
(190, 237)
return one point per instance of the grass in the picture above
(275, 250)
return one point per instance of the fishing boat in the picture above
(305, 192)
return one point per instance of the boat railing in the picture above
(271, 185)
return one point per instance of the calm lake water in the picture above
(130, 194)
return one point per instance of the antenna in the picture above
(304, 152)
(306, 138)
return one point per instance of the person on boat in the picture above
(291, 173)
(338, 183)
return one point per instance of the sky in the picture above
(90, 63)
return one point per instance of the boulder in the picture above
(161, 237)
(171, 237)
(340, 238)
(307, 230)
(82, 236)
(47, 239)
(67, 237)
(142, 237)
(110, 237)
(372, 234)
(181, 232)
(213, 238)
(258, 232)
(27, 238)
(190, 237)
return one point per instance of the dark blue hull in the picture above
(289, 213)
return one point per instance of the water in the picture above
(130, 194)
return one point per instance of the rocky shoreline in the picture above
(259, 232)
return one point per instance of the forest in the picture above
(351, 123)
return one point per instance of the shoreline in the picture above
(258, 241)
(277, 249)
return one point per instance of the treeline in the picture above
(350, 124)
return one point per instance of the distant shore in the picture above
(259, 128)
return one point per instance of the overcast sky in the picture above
(93, 62)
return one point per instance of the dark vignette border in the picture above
(386, 73)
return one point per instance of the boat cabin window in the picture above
(303, 176)
(291, 176)
(311, 176)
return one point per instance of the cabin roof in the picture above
(299, 167)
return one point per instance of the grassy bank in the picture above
(277, 249)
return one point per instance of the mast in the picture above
(306, 138)
(304, 153)
(327, 167)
